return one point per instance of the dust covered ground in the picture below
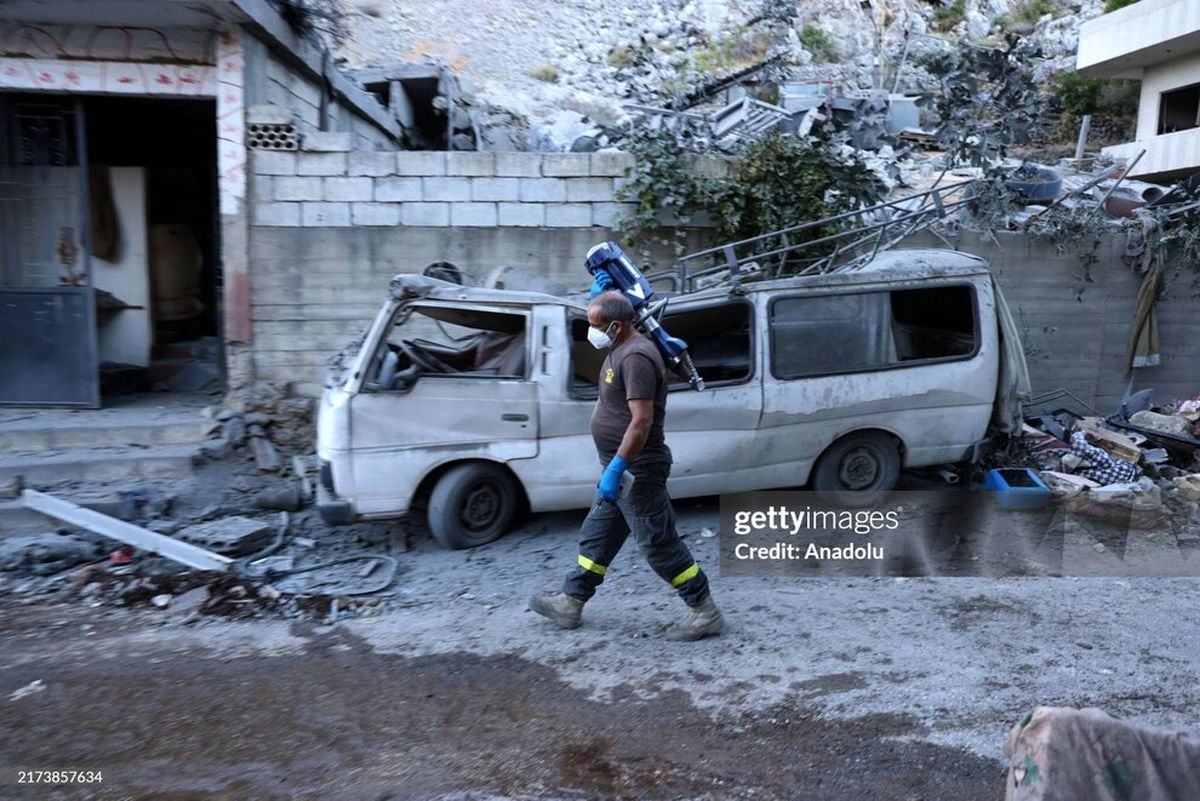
(820, 688)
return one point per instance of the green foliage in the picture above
(1027, 13)
(1113, 5)
(621, 56)
(778, 181)
(546, 72)
(816, 41)
(1079, 94)
(946, 16)
(715, 58)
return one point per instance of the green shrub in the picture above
(1113, 5)
(817, 42)
(546, 72)
(1079, 94)
(1027, 13)
(945, 17)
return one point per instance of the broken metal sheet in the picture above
(127, 533)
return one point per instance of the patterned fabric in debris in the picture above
(1063, 754)
(1099, 466)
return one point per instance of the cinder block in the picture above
(520, 165)
(449, 188)
(612, 164)
(274, 162)
(297, 187)
(585, 190)
(543, 190)
(375, 213)
(606, 215)
(420, 162)
(429, 214)
(325, 215)
(279, 214)
(326, 142)
(395, 188)
(262, 187)
(321, 164)
(569, 215)
(473, 214)
(522, 215)
(567, 165)
(494, 189)
(470, 164)
(354, 189)
(374, 163)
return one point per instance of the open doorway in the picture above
(154, 243)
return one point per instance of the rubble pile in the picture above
(1140, 464)
(258, 424)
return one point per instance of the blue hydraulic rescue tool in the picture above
(607, 257)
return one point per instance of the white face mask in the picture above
(600, 339)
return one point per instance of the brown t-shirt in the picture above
(632, 370)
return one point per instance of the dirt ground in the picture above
(822, 688)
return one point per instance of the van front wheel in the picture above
(858, 469)
(472, 504)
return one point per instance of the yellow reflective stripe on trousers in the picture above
(686, 575)
(588, 564)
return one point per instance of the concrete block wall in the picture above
(341, 186)
(332, 224)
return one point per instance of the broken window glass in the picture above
(1179, 109)
(449, 341)
(829, 334)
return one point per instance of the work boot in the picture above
(559, 607)
(702, 620)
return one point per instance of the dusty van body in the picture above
(477, 401)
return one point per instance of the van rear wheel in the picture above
(472, 504)
(858, 469)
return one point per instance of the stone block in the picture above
(274, 162)
(373, 163)
(494, 189)
(606, 215)
(396, 188)
(587, 190)
(520, 165)
(543, 190)
(522, 215)
(473, 214)
(569, 215)
(567, 165)
(353, 189)
(325, 215)
(326, 142)
(320, 163)
(420, 162)
(612, 164)
(375, 213)
(279, 214)
(298, 187)
(426, 214)
(470, 163)
(447, 189)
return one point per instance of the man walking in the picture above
(627, 427)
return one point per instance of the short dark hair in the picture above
(613, 307)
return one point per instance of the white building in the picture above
(1158, 43)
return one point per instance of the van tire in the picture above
(858, 470)
(472, 504)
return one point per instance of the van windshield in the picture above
(449, 341)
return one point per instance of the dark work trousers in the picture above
(647, 511)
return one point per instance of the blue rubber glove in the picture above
(602, 282)
(610, 479)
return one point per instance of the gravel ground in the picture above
(845, 688)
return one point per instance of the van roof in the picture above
(889, 265)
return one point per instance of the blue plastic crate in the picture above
(1017, 488)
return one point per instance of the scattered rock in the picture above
(231, 536)
(161, 601)
(265, 455)
(235, 431)
(287, 499)
(217, 449)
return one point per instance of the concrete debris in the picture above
(45, 554)
(161, 601)
(265, 455)
(1171, 424)
(230, 536)
(288, 499)
(33, 687)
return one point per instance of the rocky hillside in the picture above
(564, 63)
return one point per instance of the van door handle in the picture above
(514, 418)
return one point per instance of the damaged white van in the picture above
(471, 404)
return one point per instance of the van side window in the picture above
(828, 334)
(440, 341)
(718, 337)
